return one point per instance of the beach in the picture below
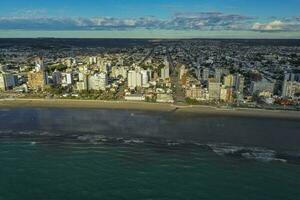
(146, 106)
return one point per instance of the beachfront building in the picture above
(196, 92)
(239, 83)
(67, 79)
(134, 79)
(236, 82)
(164, 98)
(214, 89)
(291, 85)
(263, 87)
(7, 81)
(135, 97)
(226, 94)
(98, 81)
(229, 81)
(82, 84)
(145, 78)
(56, 78)
(37, 80)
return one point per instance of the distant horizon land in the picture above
(146, 34)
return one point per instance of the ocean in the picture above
(51, 153)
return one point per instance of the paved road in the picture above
(179, 96)
(148, 56)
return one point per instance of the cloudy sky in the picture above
(150, 19)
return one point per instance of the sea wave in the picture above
(253, 153)
(221, 149)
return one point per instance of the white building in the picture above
(118, 71)
(135, 97)
(92, 60)
(134, 79)
(67, 79)
(164, 98)
(98, 81)
(290, 86)
(82, 84)
(165, 72)
(145, 78)
(290, 89)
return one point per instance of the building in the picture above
(7, 81)
(165, 72)
(117, 72)
(67, 79)
(182, 72)
(98, 81)
(57, 78)
(262, 87)
(205, 74)
(291, 89)
(37, 80)
(39, 62)
(104, 67)
(145, 78)
(229, 81)
(291, 86)
(239, 83)
(226, 94)
(135, 97)
(198, 72)
(82, 84)
(164, 98)
(218, 74)
(236, 81)
(92, 60)
(214, 89)
(134, 79)
(195, 92)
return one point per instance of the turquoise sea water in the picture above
(87, 154)
(68, 170)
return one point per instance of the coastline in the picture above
(146, 106)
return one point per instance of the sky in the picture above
(150, 19)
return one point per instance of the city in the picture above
(221, 73)
(150, 100)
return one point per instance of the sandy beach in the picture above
(145, 106)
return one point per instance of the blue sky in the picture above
(138, 18)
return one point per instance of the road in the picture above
(179, 95)
(148, 56)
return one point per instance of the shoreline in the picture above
(145, 106)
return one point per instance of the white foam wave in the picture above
(253, 153)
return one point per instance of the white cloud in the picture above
(276, 25)
(202, 21)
